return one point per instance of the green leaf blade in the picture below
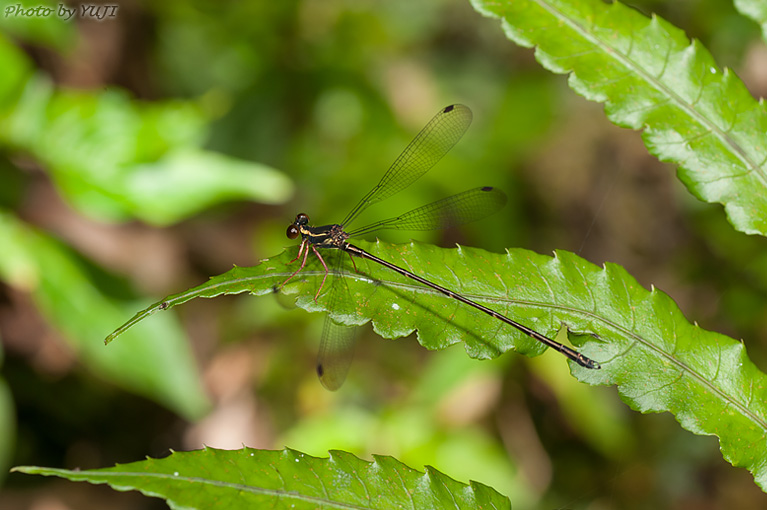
(658, 360)
(651, 77)
(250, 478)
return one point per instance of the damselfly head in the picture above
(294, 228)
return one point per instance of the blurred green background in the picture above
(144, 152)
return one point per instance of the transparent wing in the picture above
(337, 342)
(429, 146)
(454, 210)
(336, 353)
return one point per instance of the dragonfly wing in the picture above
(428, 147)
(337, 341)
(336, 353)
(452, 211)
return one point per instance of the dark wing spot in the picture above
(487, 188)
(449, 109)
(320, 370)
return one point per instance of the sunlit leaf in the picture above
(250, 478)
(650, 77)
(656, 357)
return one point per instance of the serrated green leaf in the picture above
(158, 364)
(651, 77)
(756, 10)
(657, 359)
(250, 478)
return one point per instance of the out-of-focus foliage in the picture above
(114, 159)
(7, 423)
(755, 10)
(155, 362)
(330, 91)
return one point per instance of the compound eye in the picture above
(302, 219)
(292, 232)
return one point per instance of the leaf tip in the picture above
(111, 336)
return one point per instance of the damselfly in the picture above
(428, 147)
